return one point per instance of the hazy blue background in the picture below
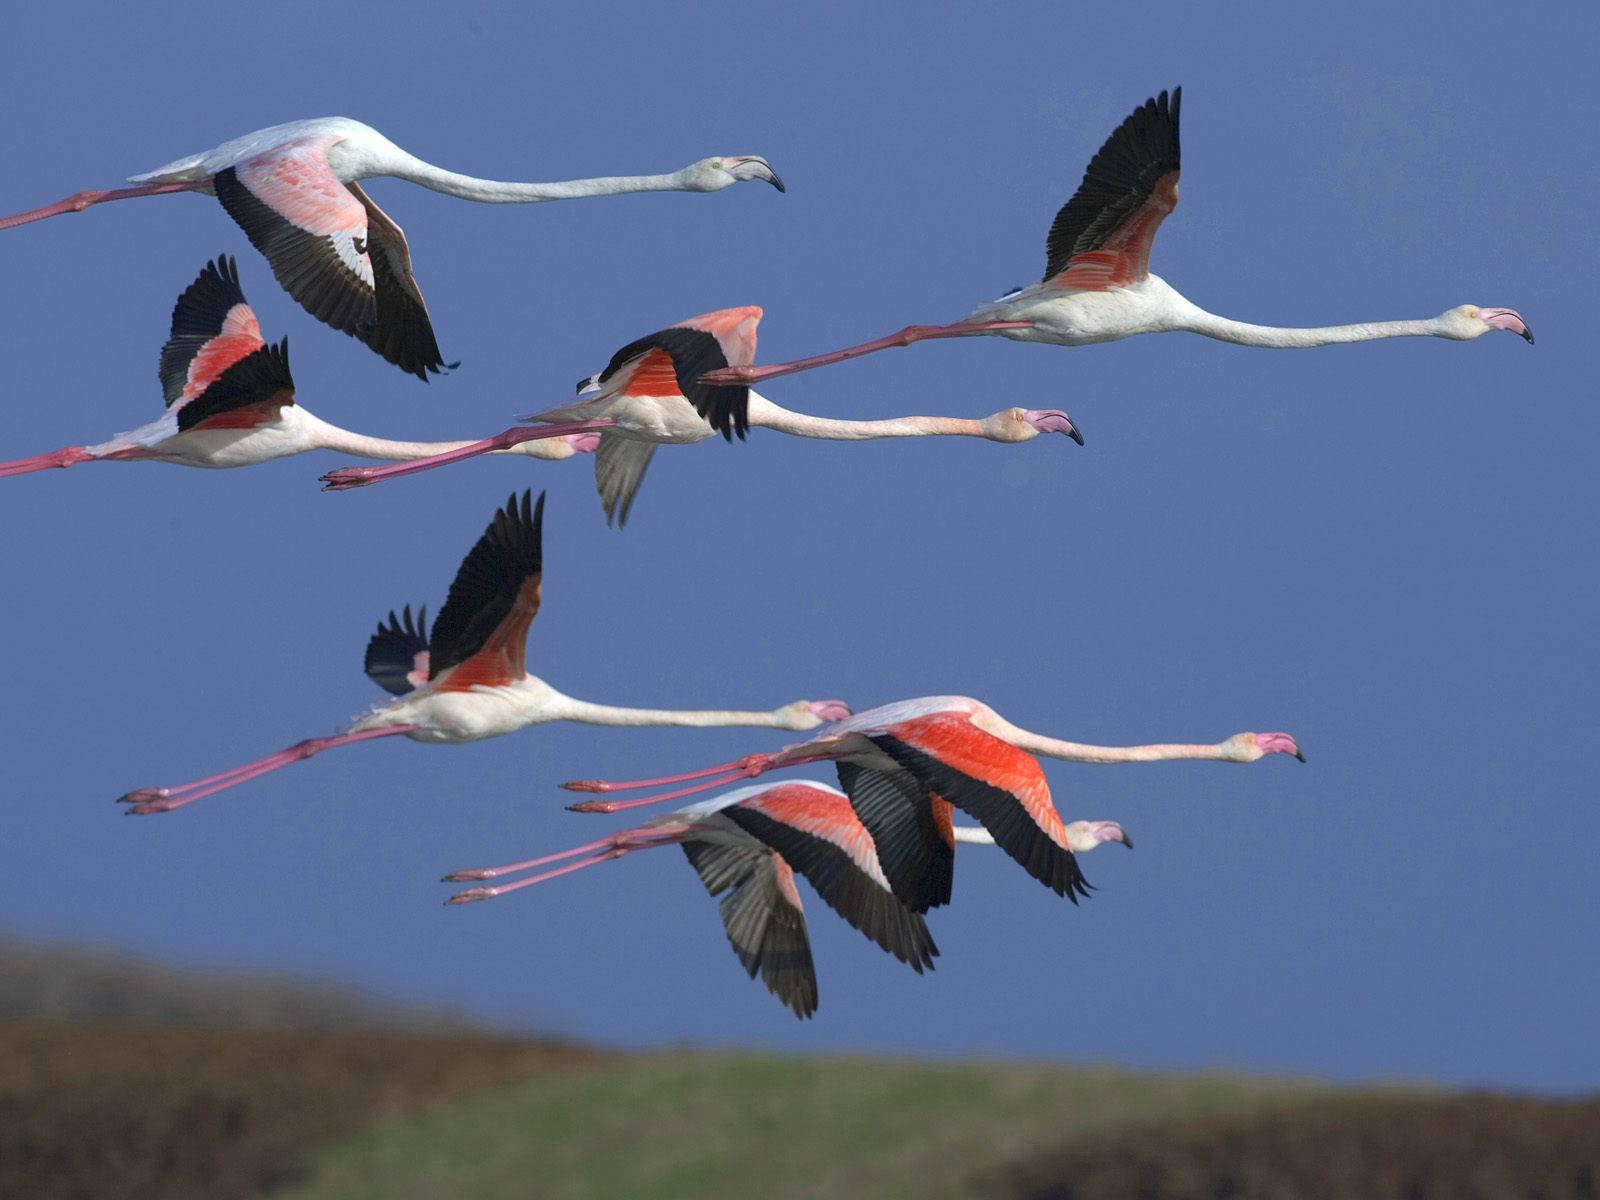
(1388, 550)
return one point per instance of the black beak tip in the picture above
(1300, 754)
(1076, 436)
(776, 182)
(1527, 335)
(1127, 841)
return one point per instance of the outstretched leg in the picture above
(71, 456)
(911, 333)
(353, 477)
(84, 200)
(600, 851)
(156, 800)
(748, 767)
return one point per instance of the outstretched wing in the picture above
(215, 369)
(815, 831)
(1101, 238)
(670, 362)
(916, 854)
(762, 915)
(481, 634)
(994, 782)
(403, 333)
(397, 655)
(619, 467)
(314, 232)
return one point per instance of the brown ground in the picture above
(1475, 1147)
(91, 1110)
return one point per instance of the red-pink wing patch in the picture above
(295, 181)
(822, 814)
(734, 329)
(240, 335)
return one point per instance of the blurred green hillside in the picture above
(124, 1079)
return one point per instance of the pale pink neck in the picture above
(767, 415)
(1035, 743)
(331, 437)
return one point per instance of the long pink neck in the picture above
(767, 415)
(1035, 743)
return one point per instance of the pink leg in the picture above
(750, 764)
(156, 800)
(614, 846)
(489, 893)
(69, 457)
(353, 477)
(911, 333)
(84, 200)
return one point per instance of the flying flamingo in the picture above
(1097, 285)
(468, 680)
(748, 844)
(903, 765)
(649, 394)
(293, 190)
(231, 401)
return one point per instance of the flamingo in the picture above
(903, 765)
(231, 400)
(1097, 285)
(467, 679)
(748, 844)
(648, 395)
(294, 191)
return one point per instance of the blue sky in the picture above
(1387, 549)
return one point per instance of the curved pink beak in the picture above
(1110, 831)
(1052, 420)
(1506, 318)
(1279, 743)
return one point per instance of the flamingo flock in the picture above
(880, 849)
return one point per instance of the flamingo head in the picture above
(808, 714)
(1470, 321)
(1252, 747)
(1083, 836)
(1025, 424)
(714, 174)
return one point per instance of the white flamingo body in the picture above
(651, 394)
(251, 415)
(294, 189)
(468, 680)
(1097, 285)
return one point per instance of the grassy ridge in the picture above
(698, 1124)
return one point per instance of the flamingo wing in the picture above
(916, 855)
(819, 836)
(1101, 238)
(215, 368)
(481, 634)
(314, 231)
(397, 655)
(999, 785)
(670, 362)
(403, 333)
(762, 915)
(619, 467)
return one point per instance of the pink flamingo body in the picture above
(904, 764)
(231, 399)
(294, 191)
(468, 679)
(747, 846)
(650, 395)
(1097, 285)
